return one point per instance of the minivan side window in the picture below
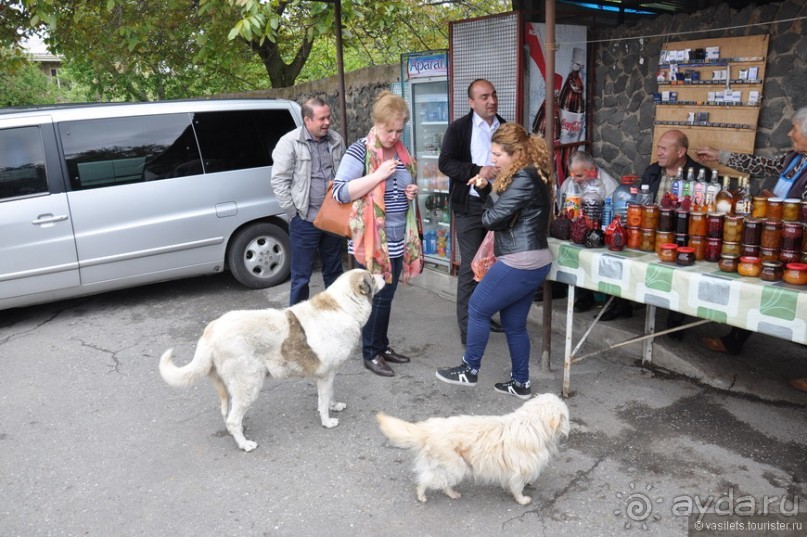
(22, 162)
(116, 151)
(240, 139)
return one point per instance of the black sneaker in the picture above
(522, 391)
(462, 374)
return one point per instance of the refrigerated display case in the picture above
(426, 90)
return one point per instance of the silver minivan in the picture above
(106, 196)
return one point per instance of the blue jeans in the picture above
(306, 241)
(509, 291)
(374, 338)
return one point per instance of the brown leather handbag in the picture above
(333, 217)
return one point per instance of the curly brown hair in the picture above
(526, 150)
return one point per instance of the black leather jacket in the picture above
(520, 215)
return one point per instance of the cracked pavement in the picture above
(94, 443)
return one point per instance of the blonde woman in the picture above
(519, 218)
(378, 170)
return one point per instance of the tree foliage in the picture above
(144, 50)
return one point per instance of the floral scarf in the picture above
(368, 220)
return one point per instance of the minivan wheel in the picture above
(260, 256)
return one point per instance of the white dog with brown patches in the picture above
(310, 339)
(509, 450)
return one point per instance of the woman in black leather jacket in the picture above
(517, 207)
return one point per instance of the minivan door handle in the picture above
(49, 219)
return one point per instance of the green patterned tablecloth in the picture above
(702, 290)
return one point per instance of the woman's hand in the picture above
(386, 169)
(707, 154)
(411, 191)
(478, 181)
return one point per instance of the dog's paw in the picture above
(330, 423)
(524, 500)
(337, 407)
(421, 498)
(451, 493)
(248, 445)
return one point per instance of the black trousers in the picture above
(470, 232)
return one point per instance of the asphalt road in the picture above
(94, 443)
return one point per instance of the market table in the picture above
(701, 290)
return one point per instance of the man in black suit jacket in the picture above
(465, 153)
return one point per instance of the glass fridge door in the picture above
(430, 111)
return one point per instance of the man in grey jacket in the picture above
(305, 161)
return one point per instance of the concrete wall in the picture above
(361, 87)
(625, 78)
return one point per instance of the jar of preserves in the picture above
(634, 215)
(663, 237)
(732, 228)
(697, 224)
(681, 239)
(681, 221)
(795, 273)
(667, 252)
(713, 249)
(792, 234)
(774, 208)
(789, 256)
(699, 245)
(666, 219)
(650, 214)
(749, 266)
(685, 256)
(731, 248)
(648, 241)
(759, 206)
(790, 209)
(769, 254)
(714, 225)
(751, 250)
(634, 237)
(771, 234)
(804, 257)
(803, 212)
(752, 231)
(728, 262)
(772, 271)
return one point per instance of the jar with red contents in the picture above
(713, 249)
(789, 256)
(795, 274)
(732, 228)
(750, 250)
(714, 225)
(792, 234)
(685, 257)
(634, 237)
(803, 212)
(666, 219)
(752, 231)
(681, 239)
(771, 234)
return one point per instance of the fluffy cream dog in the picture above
(509, 450)
(310, 339)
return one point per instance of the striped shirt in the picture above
(352, 167)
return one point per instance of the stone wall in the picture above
(626, 65)
(361, 87)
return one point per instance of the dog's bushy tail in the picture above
(401, 433)
(188, 374)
